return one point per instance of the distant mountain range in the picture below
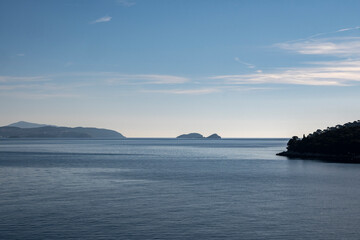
(198, 136)
(24, 129)
(23, 124)
(33, 130)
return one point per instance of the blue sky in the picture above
(150, 68)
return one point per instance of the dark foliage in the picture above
(339, 140)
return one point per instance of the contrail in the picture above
(325, 33)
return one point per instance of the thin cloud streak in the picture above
(249, 65)
(184, 91)
(275, 79)
(348, 29)
(325, 33)
(38, 87)
(145, 79)
(328, 46)
(102, 19)
(329, 74)
(21, 86)
(126, 3)
(38, 96)
(47, 86)
(38, 90)
(12, 79)
(97, 77)
(210, 90)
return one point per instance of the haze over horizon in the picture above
(163, 68)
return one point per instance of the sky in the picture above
(160, 68)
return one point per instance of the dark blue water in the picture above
(172, 189)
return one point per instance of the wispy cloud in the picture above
(126, 3)
(37, 95)
(132, 79)
(83, 83)
(341, 30)
(20, 54)
(102, 19)
(72, 84)
(339, 73)
(185, 91)
(348, 29)
(37, 87)
(325, 73)
(16, 79)
(220, 87)
(68, 64)
(105, 77)
(19, 86)
(345, 46)
(146, 79)
(249, 65)
(319, 44)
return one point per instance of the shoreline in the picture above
(320, 156)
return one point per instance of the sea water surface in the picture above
(172, 189)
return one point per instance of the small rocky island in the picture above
(339, 144)
(214, 136)
(34, 130)
(198, 136)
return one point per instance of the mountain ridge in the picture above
(48, 131)
(24, 124)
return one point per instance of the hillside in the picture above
(57, 132)
(214, 136)
(23, 124)
(341, 142)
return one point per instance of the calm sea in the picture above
(172, 189)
